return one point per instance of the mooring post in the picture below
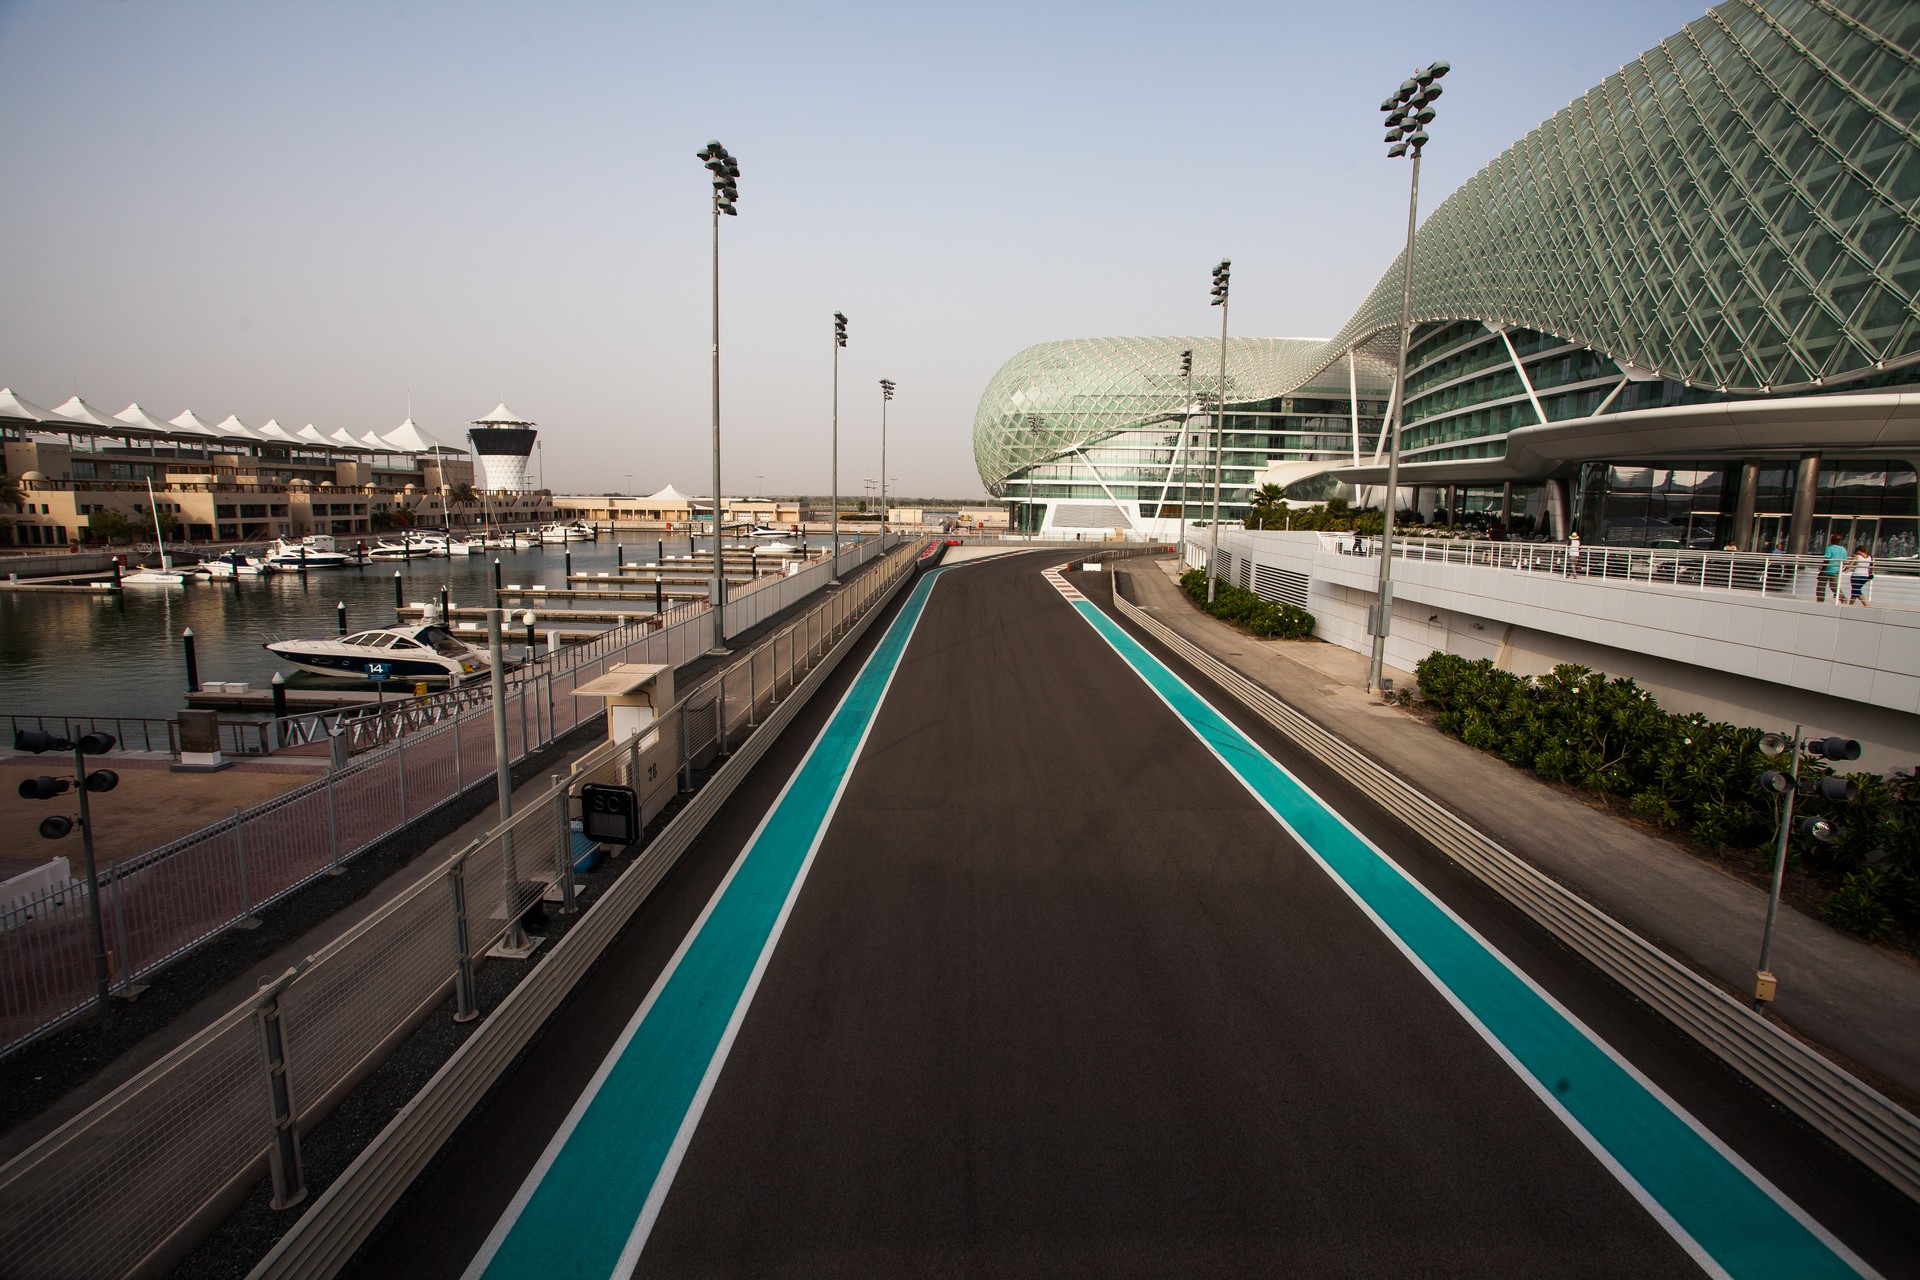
(340, 610)
(193, 666)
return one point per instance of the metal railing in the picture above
(129, 1185)
(159, 905)
(1849, 1112)
(140, 733)
(1895, 582)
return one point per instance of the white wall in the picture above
(1733, 655)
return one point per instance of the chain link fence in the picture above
(129, 1185)
(160, 905)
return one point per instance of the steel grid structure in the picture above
(1735, 213)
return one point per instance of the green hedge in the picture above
(1688, 773)
(1266, 619)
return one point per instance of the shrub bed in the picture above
(1689, 774)
(1264, 618)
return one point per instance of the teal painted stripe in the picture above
(583, 1208)
(1719, 1207)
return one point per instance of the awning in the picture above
(409, 438)
(14, 409)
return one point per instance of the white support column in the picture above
(1520, 369)
(1131, 522)
(1618, 387)
(1353, 405)
(1386, 422)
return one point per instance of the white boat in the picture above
(574, 532)
(504, 541)
(787, 547)
(768, 531)
(164, 576)
(315, 551)
(446, 544)
(234, 564)
(407, 546)
(420, 652)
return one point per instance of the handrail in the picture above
(1852, 1114)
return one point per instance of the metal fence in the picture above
(159, 905)
(129, 1185)
(137, 733)
(1894, 582)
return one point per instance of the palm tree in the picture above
(1269, 504)
(10, 491)
(460, 495)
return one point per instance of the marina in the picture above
(71, 647)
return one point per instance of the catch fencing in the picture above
(162, 904)
(128, 1186)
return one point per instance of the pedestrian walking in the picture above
(1861, 568)
(1573, 553)
(1829, 580)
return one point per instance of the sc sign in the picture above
(611, 814)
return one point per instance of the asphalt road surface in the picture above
(1016, 958)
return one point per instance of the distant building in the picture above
(1682, 311)
(502, 445)
(230, 482)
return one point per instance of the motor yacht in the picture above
(573, 532)
(315, 551)
(233, 564)
(407, 546)
(419, 652)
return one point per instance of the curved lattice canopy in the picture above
(1739, 208)
(1060, 396)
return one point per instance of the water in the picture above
(107, 655)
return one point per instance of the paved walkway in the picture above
(1857, 1002)
(151, 806)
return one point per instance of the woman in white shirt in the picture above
(1861, 569)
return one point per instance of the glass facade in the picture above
(1092, 429)
(1734, 215)
(1875, 504)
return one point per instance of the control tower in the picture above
(502, 443)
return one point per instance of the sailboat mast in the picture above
(153, 507)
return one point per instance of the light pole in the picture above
(839, 341)
(1221, 277)
(1409, 112)
(886, 394)
(1787, 787)
(53, 828)
(1180, 454)
(726, 174)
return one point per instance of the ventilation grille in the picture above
(1088, 515)
(1285, 585)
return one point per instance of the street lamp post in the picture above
(886, 394)
(1180, 454)
(1221, 276)
(53, 828)
(1409, 112)
(1787, 787)
(839, 341)
(726, 175)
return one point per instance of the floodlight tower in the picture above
(1409, 112)
(726, 190)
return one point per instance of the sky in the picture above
(322, 212)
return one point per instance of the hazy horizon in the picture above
(312, 212)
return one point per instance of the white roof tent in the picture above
(15, 409)
(78, 417)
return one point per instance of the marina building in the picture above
(230, 482)
(1681, 312)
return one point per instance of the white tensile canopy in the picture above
(82, 414)
(192, 426)
(343, 438)
(14, 409)
(372, 441)
(311, 434)
(231, 427)
(272, 430)
(142, 421)
(668, 497)
(503, 417)
(409, 438)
